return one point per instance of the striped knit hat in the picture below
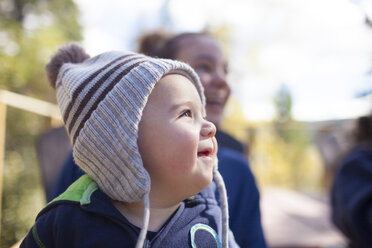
(101, 100)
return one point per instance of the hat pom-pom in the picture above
(68, 53)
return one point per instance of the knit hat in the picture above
(101, 101)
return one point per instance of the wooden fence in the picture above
(25, 103)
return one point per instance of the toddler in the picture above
(138, 129)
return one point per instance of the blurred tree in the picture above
(282, 153)
(283, 104)
(291, 136)
(279, 163)
(30, 30)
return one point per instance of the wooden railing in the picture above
(25, 103)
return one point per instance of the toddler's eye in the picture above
(186, 113)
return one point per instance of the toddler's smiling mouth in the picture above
(205, 152)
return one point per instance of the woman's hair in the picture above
(363, 130)
(162, 44)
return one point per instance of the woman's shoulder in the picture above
(230, 161)
(227, 154)
(358, 159)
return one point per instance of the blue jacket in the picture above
(243, 198)
(83, 216)
(226, 140)
(351, 197)
(242, 192)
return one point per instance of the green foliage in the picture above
(283, 104)
(284, 154)
(291, 134)
(23, 195)
(294, 163)
(28, 41)
(30, 31)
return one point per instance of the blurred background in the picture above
(300, 72)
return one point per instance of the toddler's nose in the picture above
(208, 129)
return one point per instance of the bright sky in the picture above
(321, 49)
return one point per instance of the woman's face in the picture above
(204, 54)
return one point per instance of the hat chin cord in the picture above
(224, 206)
(146, 218)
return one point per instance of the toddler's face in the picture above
(175, 140)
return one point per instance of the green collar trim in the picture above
(36, 237)
(80, 191)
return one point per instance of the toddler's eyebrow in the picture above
(181, 104)
(190, 104)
